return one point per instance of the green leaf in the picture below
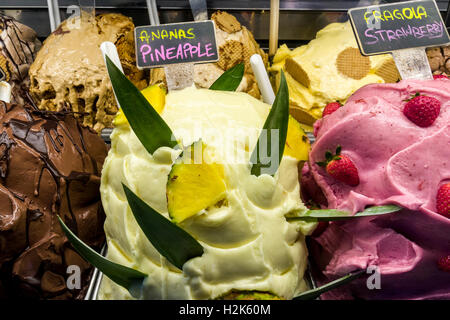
(334, 215)
(172, 242)
(278, 118)
(322, 164)
(315, 293)
(146, 123)
(230, 79)
(126, 277)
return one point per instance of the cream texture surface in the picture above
(248, 244)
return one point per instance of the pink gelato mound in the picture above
(398, 163)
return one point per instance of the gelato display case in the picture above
(102, 196)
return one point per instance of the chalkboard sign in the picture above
(402, 25)
(176, 43)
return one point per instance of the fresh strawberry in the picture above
(443, 200)
(440, 77)
(444, 263)
(340, 167)
(330, 108)
(422, 110)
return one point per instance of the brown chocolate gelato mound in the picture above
(439, 59)
(18, 47)
(49, 165)
(69, 72)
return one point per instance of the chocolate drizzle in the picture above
(50, 166)
(21, 51)
(19, 45)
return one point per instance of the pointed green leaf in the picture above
(315, 293)
(123, 276)
(146, 123)
(278, 118)
(230, 79)
(378, 210)
(172, 242)
(334, 215)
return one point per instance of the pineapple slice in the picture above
(297, 143)
(194, 184)
(155, 95)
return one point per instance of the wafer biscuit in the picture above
(388, 71)
(231, 53)
(352, 64)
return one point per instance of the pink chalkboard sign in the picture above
(400, 25)
(165, 44)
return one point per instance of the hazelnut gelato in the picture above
(69, 72)
(439, 59)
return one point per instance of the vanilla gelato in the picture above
(248, 244)
(328, 69)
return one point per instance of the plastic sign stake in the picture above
(87, 8)
(404, 29)
(412, 63)
(199, 9)
(179, 76)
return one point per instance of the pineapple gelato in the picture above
(238, 218)
(328, 69)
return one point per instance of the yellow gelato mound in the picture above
(328, 69)
(69, 73)
(248, 243)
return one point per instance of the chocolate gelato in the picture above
(69, 72)
(439, 59)
(236, 45)
(49, 165)
(18, 47)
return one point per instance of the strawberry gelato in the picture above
(398, 163)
